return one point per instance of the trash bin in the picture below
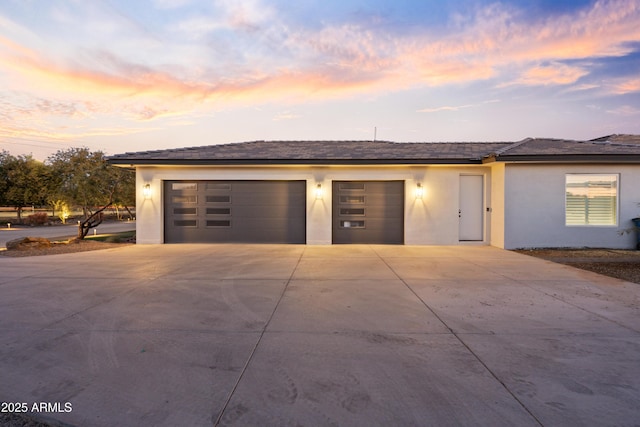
(636, 223)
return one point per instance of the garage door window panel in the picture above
(352, 200)
(181, 186)
(218, 199)
(218, 211)
(352, 224)
(225, 223)
(185, 211)
(352, 212)
(352, 186)
(191, 223)
(217, 186)
(187, 200)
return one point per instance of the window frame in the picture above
(592, 177)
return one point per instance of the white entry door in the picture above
(470, 213)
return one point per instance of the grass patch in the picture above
(113, 237)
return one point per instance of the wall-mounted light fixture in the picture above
(146, 191)
(319, 192)
(419, 191)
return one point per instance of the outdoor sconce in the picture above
(419, 191)
(146, 191)
(319, 192)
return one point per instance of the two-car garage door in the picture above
(369, 212)
(235, 211)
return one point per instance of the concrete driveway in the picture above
(281, 335)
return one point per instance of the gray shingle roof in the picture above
(325, 152)
(625, 147)
(619, 139)
(548, 148)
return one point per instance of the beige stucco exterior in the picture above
(523, 207)
(497, 202)
(431, 220)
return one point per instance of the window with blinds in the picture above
(591, 199)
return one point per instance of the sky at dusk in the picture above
(131, 75)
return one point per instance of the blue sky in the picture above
(139, 75)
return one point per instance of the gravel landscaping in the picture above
(618, 263)
(21, 420)
(65, 247)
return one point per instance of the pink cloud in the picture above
(455, 108)
(554, 74)
(444, 108)
(286, 115)
(498, 40)
(626, 86)
(625, 110)
(63, 134)
(339, 60)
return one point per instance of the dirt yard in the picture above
(20, 420)
(618, 263)
(66, 247)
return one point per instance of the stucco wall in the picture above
(432, 220)
(148, 210)
(496, 205)
(534, 197)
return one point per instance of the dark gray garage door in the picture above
(368, 212)
(235, 211)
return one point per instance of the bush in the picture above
(38, 218)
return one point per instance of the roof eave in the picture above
(569, 158)
(286, 162)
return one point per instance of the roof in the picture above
(317, 152)
(611, 148)
(620, 148)
(619, 139)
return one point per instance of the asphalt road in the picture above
(60, 231)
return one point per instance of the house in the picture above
(537, 192)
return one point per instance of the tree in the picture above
(84, 178)
(25, 181)
(126, 196)
(4, 179)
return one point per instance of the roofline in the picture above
(510, 147)
(564, 158)
(324, 162)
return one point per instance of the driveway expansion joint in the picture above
(476, 356)
(218, 419)
(593, 313)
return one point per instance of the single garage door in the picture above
(369, 212)
(235, 211)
